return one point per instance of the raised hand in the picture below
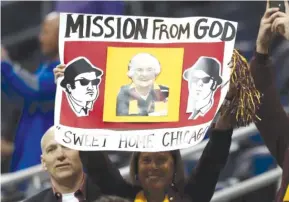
(281, 23)
(265, 32)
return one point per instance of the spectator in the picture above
(169, 182)
(38, 91)
(8, 123)
(172, 185)
(69, 183)
(111, 199)
(274, 123)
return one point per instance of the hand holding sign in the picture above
(232, 88)
(227, 119)
(58, 71)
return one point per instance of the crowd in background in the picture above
(27, 92)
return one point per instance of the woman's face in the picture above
(155, 170)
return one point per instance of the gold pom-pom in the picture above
(247, 98)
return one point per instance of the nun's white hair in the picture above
(144, 59)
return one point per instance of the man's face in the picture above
(59, 161)
(200, 85)
(48, 37)
(85, 87)
(143, 76)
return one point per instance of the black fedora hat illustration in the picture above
(78, 66)
(207, 64)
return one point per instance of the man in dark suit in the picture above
(80, 82)
(69, 183)
(203, 81)
(143, 97)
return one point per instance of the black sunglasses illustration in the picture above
(85, 82)
(204, 80)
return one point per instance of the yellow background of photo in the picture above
(171, 60)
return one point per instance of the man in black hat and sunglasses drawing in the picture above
(81, 81)
(203, 80)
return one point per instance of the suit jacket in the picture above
(92, 193)
(129, 102)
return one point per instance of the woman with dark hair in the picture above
(159, 176)
(157, 171)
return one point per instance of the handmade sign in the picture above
(140, 83)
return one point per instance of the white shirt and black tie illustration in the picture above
(81, 84)
(203, 80)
